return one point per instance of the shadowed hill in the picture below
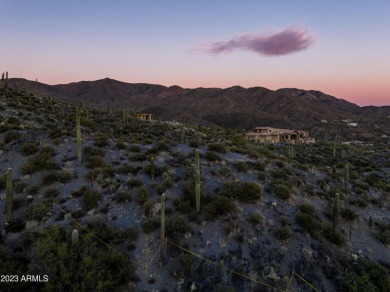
(235, 106)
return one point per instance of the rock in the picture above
(187, 235)
(222, 243)
(91, 212)
(31, 224)
(269, 273)
(307, 252)
(354, 256)
(208, 242)
(26, 177)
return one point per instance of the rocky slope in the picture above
(266, 211)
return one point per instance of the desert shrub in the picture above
(362, 203)
(137, 157)
(142, 195)
(42, 161)
(384, 233)
(134, 183)
(90, 199)
(217, 148)
(126, 168)
(122, 197)
(38, 211)
(212, 156)
(241, 166)
(11, 136)
(255, 218)
(336, 237)
(257, 165)
(224, 172)
(187, 264)
(49, 177)
(134, 148)
(283, 233)
(310, 224)
(149, 225)
(182, 205)
(281, 191)
(32, 190)
(51, 193)
(29, 149)
(367, 276)
(176, 227)
(157, 169)
(121, 145)
(249, 192)
(193, 144)
(95, 162)
(101, 141)
(218, 207)
(284, 220)
(132, 234)
(307, 209)
(348, 214)
(19, 186)
(372, 179)
(93, 151)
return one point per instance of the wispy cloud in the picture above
(280, 43)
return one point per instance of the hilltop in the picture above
(266, 212)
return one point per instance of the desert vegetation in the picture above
(258, 210)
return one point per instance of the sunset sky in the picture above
(339, 47)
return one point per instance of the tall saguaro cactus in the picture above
(346, 175)
(336, 212)
(334, 150)
(78, 134)
(162, 234)
(75, 238)
(9, 194)
(197, 180)
(183, 134)
(152, 168)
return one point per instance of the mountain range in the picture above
(233, 107)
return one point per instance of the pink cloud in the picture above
(284, 42)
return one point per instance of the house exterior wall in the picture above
(273, 135)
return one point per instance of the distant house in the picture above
(273, 135)
(144, 117)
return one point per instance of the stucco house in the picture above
(273, 135)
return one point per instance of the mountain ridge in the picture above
(235, 106)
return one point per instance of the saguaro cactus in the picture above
(152, 168)
(197, 180)
(335, 212)
(162, 235)
(346, 175)
(78, 134)
(334, 150)
(197, 190)
(183, 134)
(75, 238)
(9, 194)
(197, 161)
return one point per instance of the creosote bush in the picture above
(90, 199)
(218, 207)
(29, 149)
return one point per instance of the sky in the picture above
(341, 48)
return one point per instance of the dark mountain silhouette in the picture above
(235, 107)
